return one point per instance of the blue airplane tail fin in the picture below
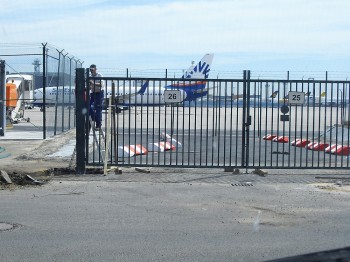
(201, 70)
(274, 94)
(143, 88)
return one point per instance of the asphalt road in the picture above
(96, 218)
(167, 215)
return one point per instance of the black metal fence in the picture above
(46, 67)
(245, 123)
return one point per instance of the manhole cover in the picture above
(7, 226)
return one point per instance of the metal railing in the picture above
(230, 124)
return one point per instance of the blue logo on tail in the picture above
(143, 88)
(200, 68)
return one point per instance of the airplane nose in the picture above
(36, 95)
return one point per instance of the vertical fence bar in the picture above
(225, 120)
(244, 117)
(230, 122)
(44, 89)
(114, 149)
(63, 90)
(247, 121)
(86, 97)
(2, 98)
(70, 91)
(81, 112)
(57, 89)
(260, 121)
(237, 118)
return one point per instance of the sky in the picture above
(264, 36)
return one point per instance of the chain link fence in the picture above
(40, 68)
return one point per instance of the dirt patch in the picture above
(71, 171)
(40, 178)
(20, 180)
(334, 187)
(39, 156)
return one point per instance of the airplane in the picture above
(237, 101)
(54, 95)
(315, 100)
(154, 94)
(335, 100)
(150, 93)
(256, 100)
(322, 100)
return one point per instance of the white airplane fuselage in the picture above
(54, 95)
(150, 93)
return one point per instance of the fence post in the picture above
(70, 90)
(248, 120)
(44, 90)
(2, 98)
(81, 112)
(63, 90)
(244, 117)
(57, 90)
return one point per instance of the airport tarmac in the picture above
(33, 156)
(29, 153)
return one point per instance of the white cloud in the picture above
(104, 31)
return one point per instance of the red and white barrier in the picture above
(342, 150)
(294, 142)
(167, 144)
(167, 138)
(311, 145)
(131, 150)
(331, 149)
(269, 137)
(338, 150)
(160, 146)
(300, 142)
(164, 136)
(281, 139)
(316, 146)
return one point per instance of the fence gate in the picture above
(216, 123)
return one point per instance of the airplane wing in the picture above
(206, 90)
(273, 95)
(126, 97)
(234, 97)
(201, 91)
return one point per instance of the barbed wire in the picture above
(34, 50)
(216, 74)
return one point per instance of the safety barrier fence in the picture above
(243, 123)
